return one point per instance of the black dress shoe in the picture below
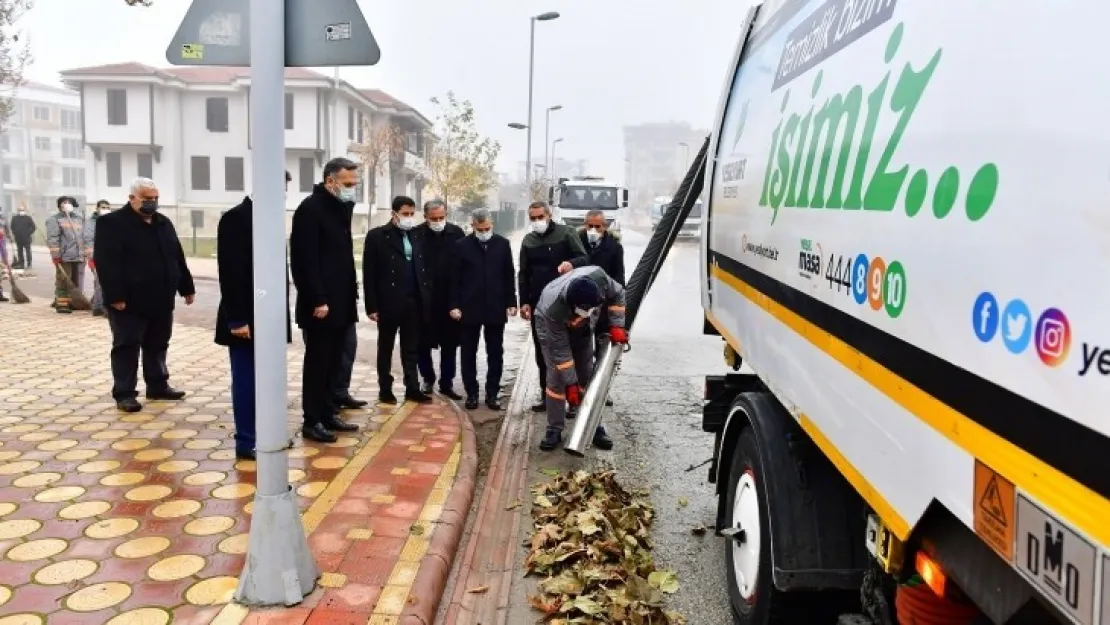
(166, 394)
(387, 397)
(450, 393)
(426, 388)
(317, 432)
(551, 440)
(540, 407)
(493, 404)
(608, 401)
(246, 455)
(602, 440)
(471, 403)
(129, 405)
(346, 402)
(418, 397)
(335, 424)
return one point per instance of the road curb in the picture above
(431, 579)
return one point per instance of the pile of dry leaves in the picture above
(591, 543)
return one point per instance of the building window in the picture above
(8, 175)
(5, 143)
(72, 148)
(358, 129)
(73, 177)
(201, 173)
(71, 120)
(117, 107)
(146, 165)
(307, 174)
(351, 123)
(44, 172)
(234, 174)
(41, 113)
(113, 169)
(42, 144)
(289, 111)
(216, 112)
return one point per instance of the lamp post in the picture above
(546, 136)
(685, 156)
(551, 172)
(542, 17)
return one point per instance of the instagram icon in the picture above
(1053, 337)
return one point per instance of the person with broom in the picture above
(102, 208)
(65, 238)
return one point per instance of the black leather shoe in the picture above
(335, 424)
(246, 455)
(540, 407)
(387, 397)
(426, 388)
(129, 405)
(551, 440)
(572, 412)
(318, 433)
(602, 440)
(608, 401)
(3, 298)
(346, 402)
(166, 394)
(471, 403)
(493, 404)
(450, 393)
(419, 397)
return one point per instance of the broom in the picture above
(77, 299)
(18, 296)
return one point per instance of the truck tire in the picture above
(751, 589)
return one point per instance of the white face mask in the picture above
(582, 312)
(66, 208)
(484, 236)
(22, 212)
(437, 226)
(540, 227)
(593, 235)
(406, 223)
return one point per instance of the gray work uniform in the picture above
(567, 339)
(90, 238)
(65, 236)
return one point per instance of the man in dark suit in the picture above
(398, 296)
(482, 298)
(605, 251)
(321, 256)
(439, 238)
(235, 315)
(141, 266)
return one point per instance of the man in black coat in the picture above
(605, 251)
(23, 228)
(398, 290)
(483, 297)
(439, 238)
(141, 266)
(322, 261)
(235, 316)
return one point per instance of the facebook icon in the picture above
(984, 316)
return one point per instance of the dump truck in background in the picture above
(572, 198)
(907, 217)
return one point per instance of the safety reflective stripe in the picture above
(616, 309)
(553, 395)
(563, 366)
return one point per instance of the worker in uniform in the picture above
(102, 208)
(65, 237)
(564, 318)
(605, 251)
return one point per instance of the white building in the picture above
(41, 154)
(188, 129)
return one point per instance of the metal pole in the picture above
(531, 72)
(552, 173)
(279, 567)
(547, 144)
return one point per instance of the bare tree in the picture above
(376, 150)
(15, 54)
(538, 192)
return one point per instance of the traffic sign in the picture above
(318, 33)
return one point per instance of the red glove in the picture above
(92, 264)
(57, 261)
(574, 395)
(618, 336)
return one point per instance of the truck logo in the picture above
(835, 131)
(809, 259)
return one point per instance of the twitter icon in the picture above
(1017, 328)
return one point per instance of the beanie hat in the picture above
(583, 293)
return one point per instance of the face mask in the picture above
(22, 212)
(346, 194)
(582, 312)
(437, 226)
(66, 208)
(539, 227)
(594, 235)
(149, 207)
(406, 223)
(484, 236)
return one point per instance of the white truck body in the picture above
(574, 198)
(885, 185)
(690, 227)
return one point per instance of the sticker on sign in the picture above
(338, 32)
(994, 510)
(1060, 563)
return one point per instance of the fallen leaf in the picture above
(543, 502)
(551, 472)
(699, 530)
(417, 530)
(514, 505)
(682, 501)
(477, 590)
(666, 581)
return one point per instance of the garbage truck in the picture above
(573, 198)
(908, 205)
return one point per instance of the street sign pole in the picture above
(279, 567)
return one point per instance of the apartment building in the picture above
(188, 128)
(41, 153)
(656, 159)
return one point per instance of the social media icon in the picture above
(1053, 337)
(984, 316)
(1017, 327)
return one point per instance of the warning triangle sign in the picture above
(991, 502)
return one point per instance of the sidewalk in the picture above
(143, 518)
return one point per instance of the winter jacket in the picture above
(139, 263)
(555, 318)
(541, 255)
(23, 227)
(65, 236)
(608, 254)
(385, 272)
(439, 250)
(90, 234)
(322, 261)
(483, 285)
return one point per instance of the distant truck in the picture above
(572, 198)
(690, 228)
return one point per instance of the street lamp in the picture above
(551, 171)
(685, 155)
(542, 17)
(547, 132)
(517, 126)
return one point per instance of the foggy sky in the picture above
(608, 62)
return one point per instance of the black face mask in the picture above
(149, 207)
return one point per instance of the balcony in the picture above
(413, 164)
